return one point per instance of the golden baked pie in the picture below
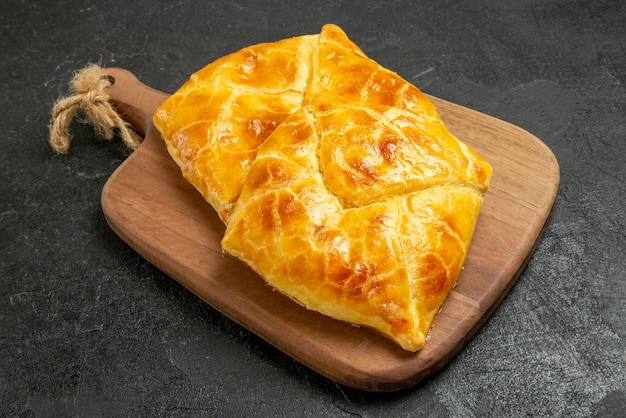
(337, 180)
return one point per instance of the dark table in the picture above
(88, 327)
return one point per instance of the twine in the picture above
(88, 87)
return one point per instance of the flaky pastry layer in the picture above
(337, 180)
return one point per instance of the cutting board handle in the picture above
(133, 100)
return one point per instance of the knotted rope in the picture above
(88, 87)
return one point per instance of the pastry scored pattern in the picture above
(337, 180)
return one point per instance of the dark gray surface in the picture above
(87, 327)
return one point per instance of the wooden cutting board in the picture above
(151, 207)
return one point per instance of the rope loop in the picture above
(88, 95)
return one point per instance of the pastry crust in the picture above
(337, 180)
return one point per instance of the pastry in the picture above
(337, 180)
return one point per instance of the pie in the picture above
(337, 180)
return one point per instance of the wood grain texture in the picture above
(151, 207)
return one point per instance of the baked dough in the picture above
(337, 180)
